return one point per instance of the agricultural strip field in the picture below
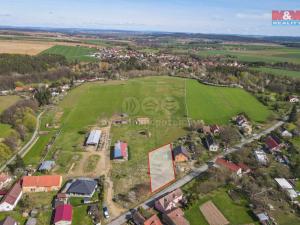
(161, 99)
(236, 213)
(5, 102)
(219, 104)
(72, 53)
(269, 55)
(279, 72)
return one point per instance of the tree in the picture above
(43, 96)
(293, 115)
(229, 136)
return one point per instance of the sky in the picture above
(247, 17)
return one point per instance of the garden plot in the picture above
(161, 167)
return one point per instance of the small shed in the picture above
(31, 221)
(46, 165)
(94, 137)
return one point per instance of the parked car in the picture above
(105, 212)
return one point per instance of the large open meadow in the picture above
(279, 72)
(162, 99)
(72, 53)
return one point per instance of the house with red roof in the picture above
(11, 199)
(121, 151)
(175, 217)
(44, 183)
(153, 220)
(273, 143)
(63, 215)
(238, 169)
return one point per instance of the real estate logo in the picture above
(286, 17)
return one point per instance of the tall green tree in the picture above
(293, 115)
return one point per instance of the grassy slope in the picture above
(236, 214)
(72, 52)
(5, 102)
(218, 105)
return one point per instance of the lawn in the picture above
(279, 72)
(236, 213)
(218, 104)
(91, 166)
(72, 53)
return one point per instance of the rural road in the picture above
(23, 151)
(195, 173)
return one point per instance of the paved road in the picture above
(195, 173)
(23, 151)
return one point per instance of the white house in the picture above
(293, 99)
(261, 157)
(287, 187)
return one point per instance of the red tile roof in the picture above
(12, 196)
(41, 181)
(153, 220)
(124, 149)
(271, 143)
(63, 213)
(229, 165)
(243, 166)
(177, 217)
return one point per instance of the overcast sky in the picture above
(199, 16)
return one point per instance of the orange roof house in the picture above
(153, 220)
(175, 217)
(45, 183)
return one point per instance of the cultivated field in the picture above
(24, 47)
(218, 104)
(279, 72)
(72, 53)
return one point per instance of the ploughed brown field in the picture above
(212, 214)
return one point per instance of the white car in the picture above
(105, 212)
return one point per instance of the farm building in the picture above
(212, 214)
(11, 199)
(8, 221)
(94, 138)
(169, 201)
(215, 129)
(180, 154)
(5, 179)
(82, 187)
(120, 151)
(63, 215)
(175, 217)
(287, 187)
(44, 183)
(210, 144)
(46, 166)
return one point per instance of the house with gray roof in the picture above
(82, 187)
(8, 221)
(46, 165)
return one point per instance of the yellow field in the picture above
(30, 47)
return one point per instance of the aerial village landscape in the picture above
(148, 128)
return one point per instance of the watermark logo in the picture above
(286, 17)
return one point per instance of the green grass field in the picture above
(162, 99)
(218, 104)
(72, 53)
(236, 214)
(267, 54)
(279, 72)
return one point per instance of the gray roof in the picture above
(8, 221)
(31, 221)
(82, 187)
(94, 137)
(46, 165)
(180, 150)
(262, 217)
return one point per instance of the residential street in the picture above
(195, 173)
